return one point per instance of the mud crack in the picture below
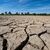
(42, 33)
(42, 39)
(4, 44)
(7, 24)
(20, 47)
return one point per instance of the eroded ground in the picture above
(24, 32)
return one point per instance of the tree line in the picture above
(27, 13)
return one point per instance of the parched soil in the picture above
(24, 32)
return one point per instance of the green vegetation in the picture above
(9, 13)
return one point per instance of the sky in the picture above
(32, 6)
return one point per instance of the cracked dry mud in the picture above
(24, 32)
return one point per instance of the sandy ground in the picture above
(24, 32)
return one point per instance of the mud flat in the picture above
(24, 32)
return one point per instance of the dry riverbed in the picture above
(24, 32)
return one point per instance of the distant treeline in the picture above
(27, 13)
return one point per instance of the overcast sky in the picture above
(35, 6)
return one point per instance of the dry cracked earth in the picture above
(24, 32)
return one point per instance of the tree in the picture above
(9, 13)
(28, 13)
(34, 13)
(5, 13)
(17, 13)
(2, 13)
(25, 13)
(22, 13)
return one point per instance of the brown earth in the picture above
(24, 32)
